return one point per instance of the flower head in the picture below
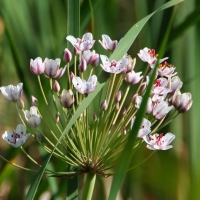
(150, 56)
(52, 68)
(12, 93)
(113, 66)
(37, 66)
(107, 43)
(159, 141)
(83, 44)
(32, 117)
(83, 86)
(16, 137)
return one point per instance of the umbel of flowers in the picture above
(96, 140)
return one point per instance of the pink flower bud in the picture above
(118, 96)
(82, 65)
(67, 56)
(34, 101)
(123, 111)
(66, 98)
(124, 131)
(175, 84)
(104, 105)
(133, 78)
(183, 102)
(56, 86)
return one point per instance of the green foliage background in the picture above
(38, 28)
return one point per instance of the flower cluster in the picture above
(95, 143)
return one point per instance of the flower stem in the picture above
(89, 186)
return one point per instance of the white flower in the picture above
(12, 93)
(158, 141)
(37, 66)
(113, 66)
(52, 68)
(145, 127)
(83, 44)
(32, 117)
(83, 86)
(16, 137)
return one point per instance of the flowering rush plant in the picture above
(88, 121)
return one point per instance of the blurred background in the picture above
(32, 28)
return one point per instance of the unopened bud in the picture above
(94, 117)
(183, 102)
(124, 131)
(57, 118)
(67, 56)
(133, 78)
(66, 98)
(34, 101)
(131, 64)
(20, 103)
(117, 106)
(56, 86)
(104, 105)
(118, 96)
(123, 111)
(71, 75)
(37, 137)
(82, 65)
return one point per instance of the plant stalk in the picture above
(89, 186)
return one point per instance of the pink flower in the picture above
(12, 93)
(32, 117)
(158, 141)
(166, 70)
(91, 57)
(133, 78)
(160, 86)
(52, 68)
(83, 44)
(161, 109)
(113, 66)
(16, 137)
(37, 66)
(85, 87)
(150, 56)
(107, 43)
(66, 98)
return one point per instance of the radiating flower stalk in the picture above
(96, 140)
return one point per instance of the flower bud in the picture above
(34, 101)
(82, 65)
(124, 131)
(56, 86)
(123, 111)
(57, 118)
(94, 117)
(175, 84)
(183, 102)
(66, 98)
(20, 103)
(37, 137)
(67, 56)
(104, 105)
(117, 106)
(118, 96)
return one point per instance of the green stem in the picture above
(89, 186)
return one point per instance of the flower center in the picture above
(152, 53)
(113, 63)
